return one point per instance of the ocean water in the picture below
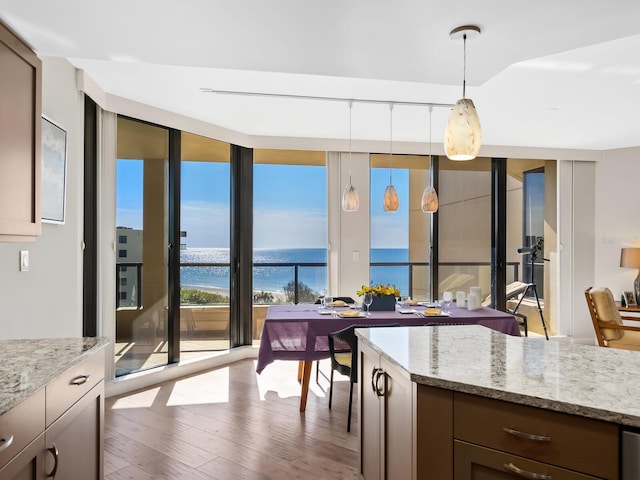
(274, 279)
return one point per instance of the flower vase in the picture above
(383, 303)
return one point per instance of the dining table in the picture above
(300, 331)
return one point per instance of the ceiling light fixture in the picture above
(430, 196)
(350, 199)
(463, 135)
(390, 201)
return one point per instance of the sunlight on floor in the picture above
(211, 387)
(143, 399)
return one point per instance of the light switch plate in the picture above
(24, 260)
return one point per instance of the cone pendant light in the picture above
(463, 135)
(350, 198)
(390, 201)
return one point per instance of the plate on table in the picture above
(427, 304)
(407, 310)
(325, 311)
(435, 312)
(352, 314)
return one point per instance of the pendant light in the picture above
(429, 196)
(350, 199)
(463, 135)
(390, 202)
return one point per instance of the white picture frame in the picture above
(54, 172)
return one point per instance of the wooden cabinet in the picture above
(58, 431)
(531, 440)
(386, 402)
(20, 124)
(410, 431)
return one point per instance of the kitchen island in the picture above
(466, 402)
(52, 408)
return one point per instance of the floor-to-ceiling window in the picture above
(142, 246)
(400, 240)
(204, 246)
(289, 229)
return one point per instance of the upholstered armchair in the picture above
(608, 323)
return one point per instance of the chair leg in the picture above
(317, 370)
(330, 388)
(350, 402)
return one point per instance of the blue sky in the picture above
(289, 212)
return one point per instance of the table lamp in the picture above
(630, 258)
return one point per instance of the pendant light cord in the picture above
(464, 65)
(350, 109)
(390, 139)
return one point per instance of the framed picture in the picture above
(54, 172)
(629, 299)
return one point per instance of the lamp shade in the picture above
(630, 257)
(463, 135)
(429, 200)
(390, 201)
(350, 199)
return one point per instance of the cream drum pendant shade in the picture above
(390, 201)
(350, 199)
(463, 135)
(429, 200)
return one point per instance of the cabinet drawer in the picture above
(473, 461)
(577, 443)
(72, 385)
(20, 425)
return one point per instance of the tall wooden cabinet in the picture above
(20, 143)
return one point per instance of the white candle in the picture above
(460, 298)
(473, 302)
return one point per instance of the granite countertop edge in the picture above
(594, 410)
(28, 365)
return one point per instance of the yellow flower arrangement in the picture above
(379, 290)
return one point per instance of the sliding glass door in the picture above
(142, 246)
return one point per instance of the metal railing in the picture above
(296, 266)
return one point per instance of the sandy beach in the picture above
(278, 297)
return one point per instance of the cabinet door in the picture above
(28, 464)
(473, 462)
(398, 423)
(74, 441)
(369, 415)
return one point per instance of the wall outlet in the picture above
(24, 260)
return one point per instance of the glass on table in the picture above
(368, 300)
(447, 298)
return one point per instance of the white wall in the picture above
(617, 217)
(46, 301)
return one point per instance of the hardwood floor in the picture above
(230, 423)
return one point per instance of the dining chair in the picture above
(608, 323)
(345, 360)
(347, 300)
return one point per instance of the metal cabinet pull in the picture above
(5, 443)
(373, 382)
(54, 451)
(528, 436)
(380, 374)
(510, 467)
(79, 380)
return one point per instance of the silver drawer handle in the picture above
(510, 467)
(528, 436)
(79, 380)
(5, 443)
(53, 450)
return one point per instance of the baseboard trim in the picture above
(148, 378)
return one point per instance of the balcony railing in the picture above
(296, 280)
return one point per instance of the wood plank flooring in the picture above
(230, 423)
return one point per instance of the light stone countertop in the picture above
(585, 380)
(28, 365)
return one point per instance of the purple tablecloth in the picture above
(299, 332)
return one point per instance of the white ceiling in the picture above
(559, 74)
